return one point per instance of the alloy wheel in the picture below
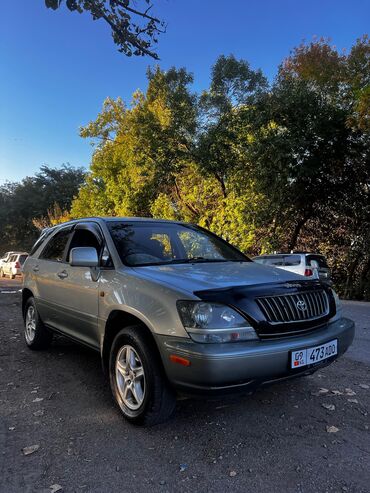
(130, 377)
(30, 329)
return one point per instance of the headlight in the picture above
(338, 307)
(213, 322)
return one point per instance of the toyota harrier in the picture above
(173, 308)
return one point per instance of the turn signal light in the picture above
(178, 359)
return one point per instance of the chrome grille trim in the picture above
(279, 309)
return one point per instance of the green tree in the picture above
(346, 78)
(221, 142)
(299, 148)
(140, 149)
(267, 167)
(311, 148)
(32, 198)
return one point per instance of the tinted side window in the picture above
(55, 247)
(40, 240)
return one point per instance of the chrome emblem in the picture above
(301, 305)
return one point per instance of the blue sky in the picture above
(58, 67)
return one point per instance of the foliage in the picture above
(134, 30)
(141, 148)
(277, 166)
(39, 200)
(268, 167)
(344, 78)
(55, 215)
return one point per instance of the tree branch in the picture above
(137, 12)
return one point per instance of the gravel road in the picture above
(290, 437)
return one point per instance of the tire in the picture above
(152, 401)
(36, 335)
(12, 276)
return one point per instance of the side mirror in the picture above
(84, 257)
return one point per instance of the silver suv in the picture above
(173, 308)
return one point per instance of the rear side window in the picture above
(40, 240)
(22, 259)
(54, 249)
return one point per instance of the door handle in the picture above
(62, 275)
(36, 268)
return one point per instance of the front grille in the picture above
(307, 305)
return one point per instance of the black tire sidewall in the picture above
(43, 336)
(153, 377)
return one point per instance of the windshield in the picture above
(156, 243)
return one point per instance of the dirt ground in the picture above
(307, 435)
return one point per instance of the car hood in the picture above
(203, 276)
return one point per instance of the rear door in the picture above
(49, 271)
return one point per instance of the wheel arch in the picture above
(26, 295)
(118, 320)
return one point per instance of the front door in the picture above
(81, 284)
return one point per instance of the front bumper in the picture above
(237, 366)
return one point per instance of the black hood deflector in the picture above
(243, 299)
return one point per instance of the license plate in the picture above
(312, 355)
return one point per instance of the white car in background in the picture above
(5, 258)
(310, 265)
(13, 265)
